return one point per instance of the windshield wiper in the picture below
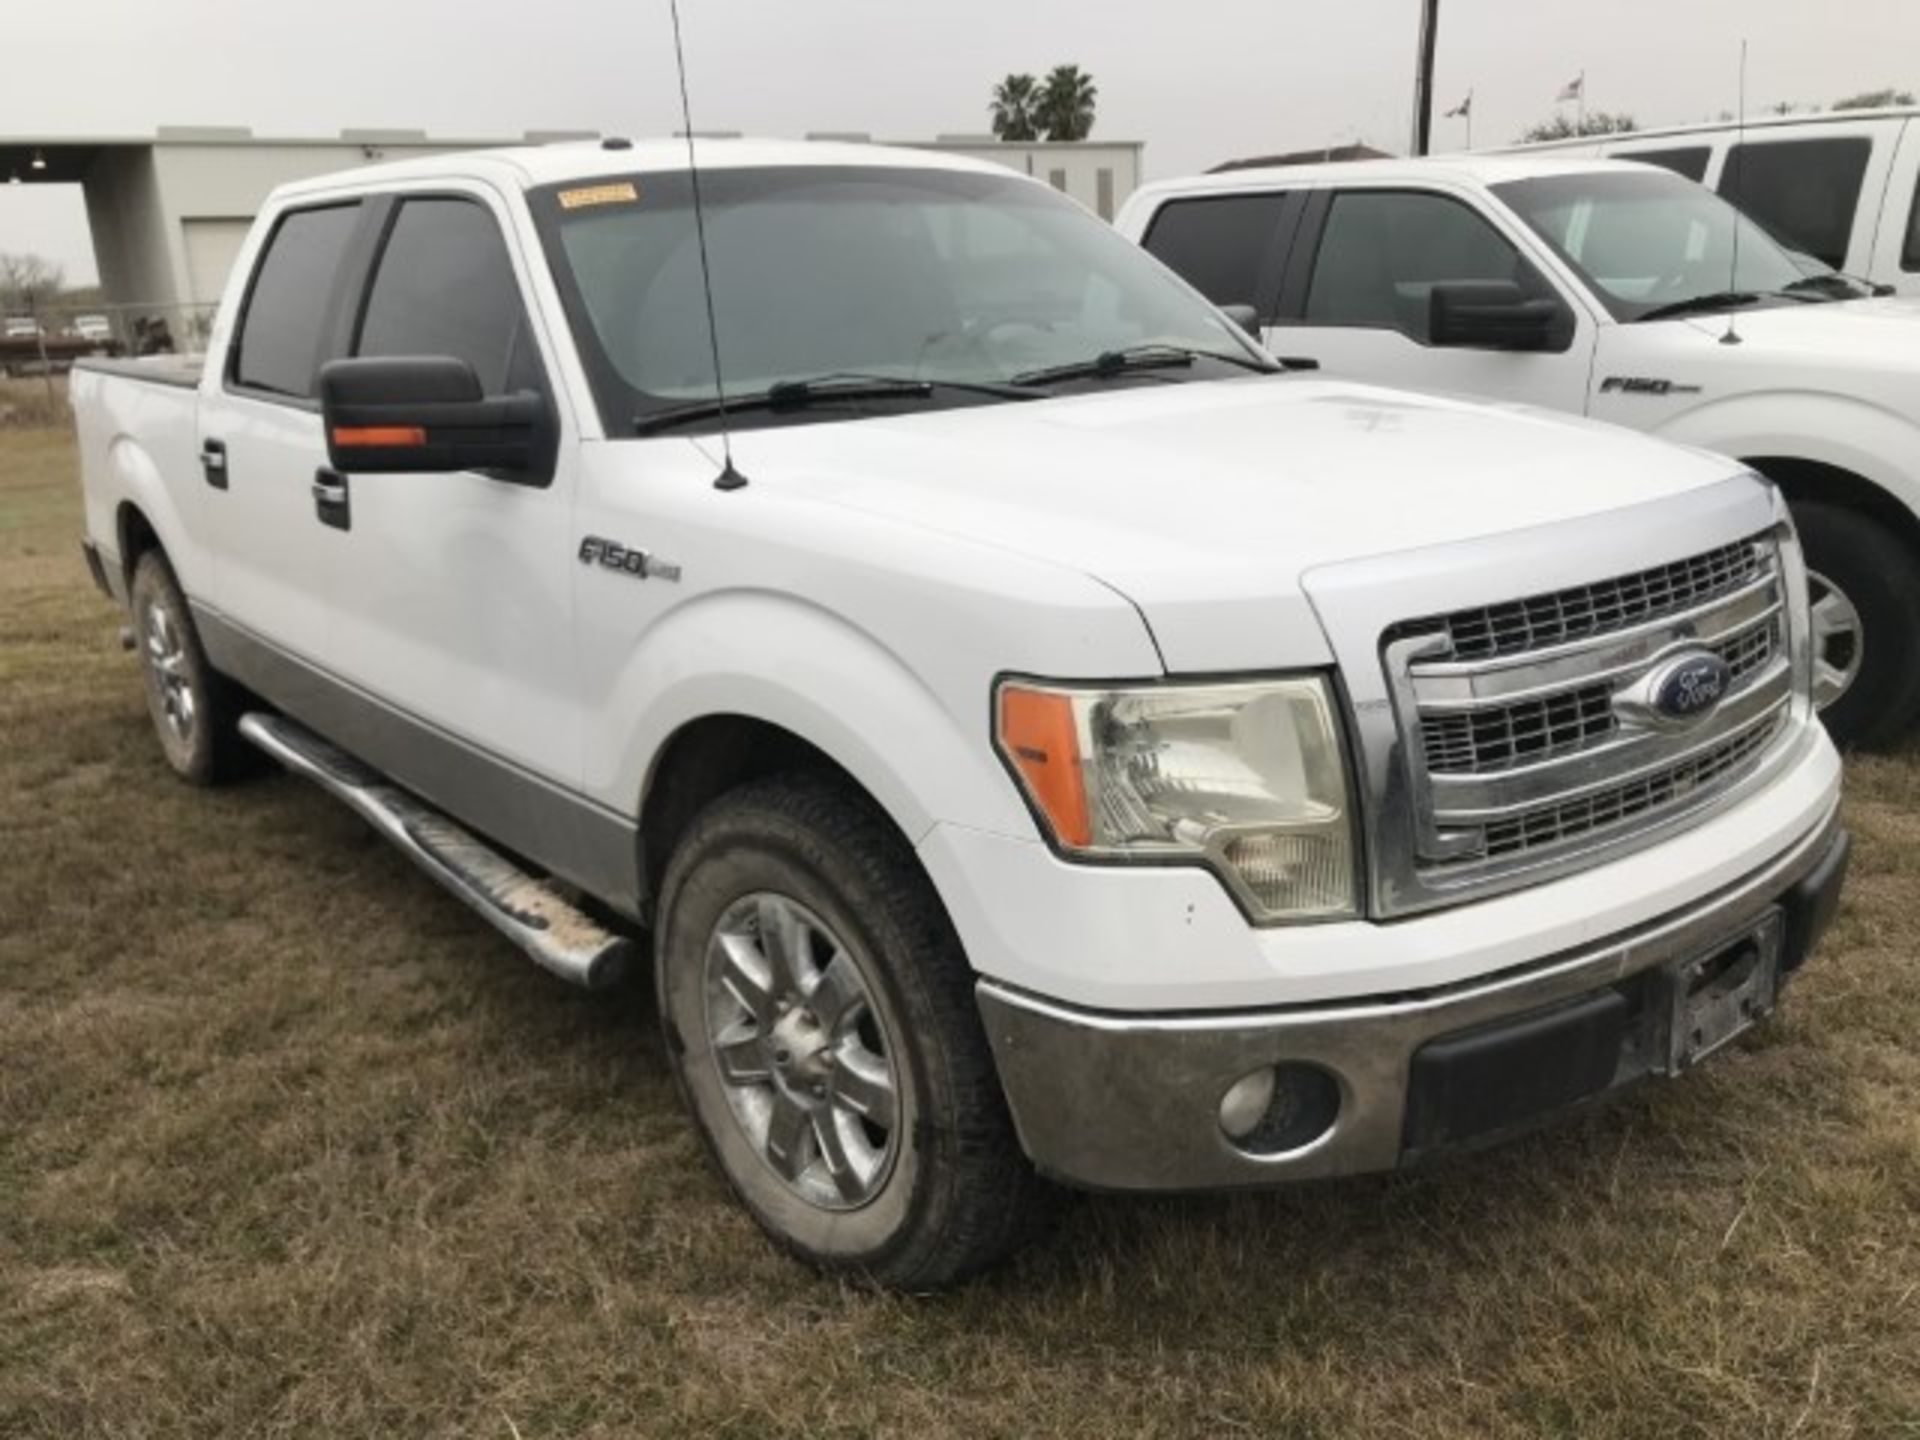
(797, 394)
(1697, 304)
(1833, 286)
(1109, 363)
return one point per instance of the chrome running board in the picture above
(552, 931)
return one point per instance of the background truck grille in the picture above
(1526, 725)
(1580, 611)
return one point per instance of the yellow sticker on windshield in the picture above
(618, 193)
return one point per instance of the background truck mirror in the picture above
(1494, 315)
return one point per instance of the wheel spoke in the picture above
(849, 1176)
(742, 1056)
(783, 940)
(839, 996)
(743, 970)
(861, 1084)
(787, 1130)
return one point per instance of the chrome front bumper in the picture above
(1132, 1102)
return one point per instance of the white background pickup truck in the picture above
(1039, 737)
(1607, 289)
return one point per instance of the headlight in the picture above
(1247, 778)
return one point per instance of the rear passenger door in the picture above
(1357, 293)
(1896, 250)
(453, 607)
(260, 436)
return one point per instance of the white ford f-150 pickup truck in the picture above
(1039, 736)
(1615, 290)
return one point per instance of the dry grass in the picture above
(290, 1144)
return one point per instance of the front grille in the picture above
(1478, 742)
(1527, 726)
(1560, 616)
(1582, 818)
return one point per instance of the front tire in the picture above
(1865, 591)
(191, 705)
(820, 1017)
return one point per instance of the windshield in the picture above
(953, 278)
(1647, 240)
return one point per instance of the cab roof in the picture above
(529, 166)
(1473, 169)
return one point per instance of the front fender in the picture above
(1876, 443)
(790, 663)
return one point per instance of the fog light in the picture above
(1244, 1105)
(1278, 1108)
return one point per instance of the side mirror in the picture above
(1245, 316)
(1493, 315)
(427, 413)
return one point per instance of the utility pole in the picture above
(1423, 77)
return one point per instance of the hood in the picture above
(1880, 333)
(1203, 503)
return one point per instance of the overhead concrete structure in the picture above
(169, 210)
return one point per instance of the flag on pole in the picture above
(1463, 109)
(1575, 89)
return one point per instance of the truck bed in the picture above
(183, 371)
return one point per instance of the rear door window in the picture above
(445, 286)
(1219, 244)
(1691, 161)
(1805, 192)
(282, 325)
(1910, 250)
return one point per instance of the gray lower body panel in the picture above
(563, 833)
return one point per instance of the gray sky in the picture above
(1198, 81)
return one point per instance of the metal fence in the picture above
(51, 337)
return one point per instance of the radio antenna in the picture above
(728, 478)
(1735, 158)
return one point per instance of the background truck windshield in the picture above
(923, 274)
(1645, 240)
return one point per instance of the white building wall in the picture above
(1100, 174)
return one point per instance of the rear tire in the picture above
(194, 709)
(820, 1016)
(1866, 603)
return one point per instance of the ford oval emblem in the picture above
(1689, 685)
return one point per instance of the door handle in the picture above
(213, 462)
(331, 500)
(1298, 362)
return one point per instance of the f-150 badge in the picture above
(1644, 385)
(638, 563)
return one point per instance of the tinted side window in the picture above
(1383, 251)
(1804, 191)
(445, 286)
(1216, 244)
(1690, 162)
(278, 347)
(1910, 251)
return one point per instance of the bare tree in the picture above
(1594, 122)
(1874, 99)
(28, 282)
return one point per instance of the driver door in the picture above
(1357, 295)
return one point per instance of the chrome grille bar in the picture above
(1526, 733)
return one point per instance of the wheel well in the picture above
(701, 762)
(136, 537)
(1829, 484)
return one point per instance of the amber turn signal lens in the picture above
(348, 437)
(1038, 734)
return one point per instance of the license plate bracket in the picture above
(1716, 997)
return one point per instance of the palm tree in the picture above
(1014, 99)
(1065, 106)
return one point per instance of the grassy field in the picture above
(291, 1144)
